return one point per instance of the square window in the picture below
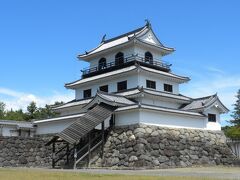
(151, 84)
(104, 88)
(168, 88)
(122, 86)
(212, 118)
(87, 93)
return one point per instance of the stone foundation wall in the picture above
(24, 152)
(142, 146)
(137, 146)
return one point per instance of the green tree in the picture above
(232, 132)
(236, 112)
(2, 110)
(32, 109)
(17, 115)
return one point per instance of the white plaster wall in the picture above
(70, 111)
(53, 126)
(157, 102)
(110, 56)
(138, 49)
(150, 38)
(9, 131)
(128, 51)
(58, 126)
(213, 125)
(170, 120)
(127, 117)
(132, 82)
(106, 124)
(159, 82)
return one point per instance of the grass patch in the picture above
(36, 174)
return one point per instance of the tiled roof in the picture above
(108, 74)
(136, 91)
(122, 96)
(18, 124)
(205, 102)
(115, 98)
(73, 103)
(122, 39)
(168, 75)
(198, 103)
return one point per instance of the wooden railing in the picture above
(121, 61)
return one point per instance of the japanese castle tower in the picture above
(128, 101)
(128, 72)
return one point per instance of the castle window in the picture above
(119, 58)
(168, 88)
(87, 93)
(122, 86)
(104, 88)
(151, 84)
(148, 57)
(102, 63)
(212, 118)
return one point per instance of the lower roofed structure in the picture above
(129, 94)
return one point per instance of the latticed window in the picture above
(212, 118)
(104, 88)
(87, 93)
(119, 58)
(149, 57)
(168, 88)
(102, 63)
(151, 84)
(122, 85)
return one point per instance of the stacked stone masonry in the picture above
(24, 152)
(142, 146)
(136, 146)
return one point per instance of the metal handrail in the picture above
(138, 58)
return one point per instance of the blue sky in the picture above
(39, 42)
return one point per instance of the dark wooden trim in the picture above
(103, 137)
(53, 155)
(89, 148)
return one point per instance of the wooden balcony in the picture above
(125, 62)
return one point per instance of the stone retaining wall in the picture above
(24, 152)
(142, 146)
(136, 146)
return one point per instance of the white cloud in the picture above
(20, 100)
(10, 92)
(215, 70)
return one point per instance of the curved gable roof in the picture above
(204, 103)
(126, 38)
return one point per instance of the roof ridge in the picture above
(125, 34)
(205, 97)
(109, 94)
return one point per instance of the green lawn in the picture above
(37, 174)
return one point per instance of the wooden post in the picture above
(113, 120)
(89, 148)
(67, 153)
(103, 129)
(75, 157)
(53, 155)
